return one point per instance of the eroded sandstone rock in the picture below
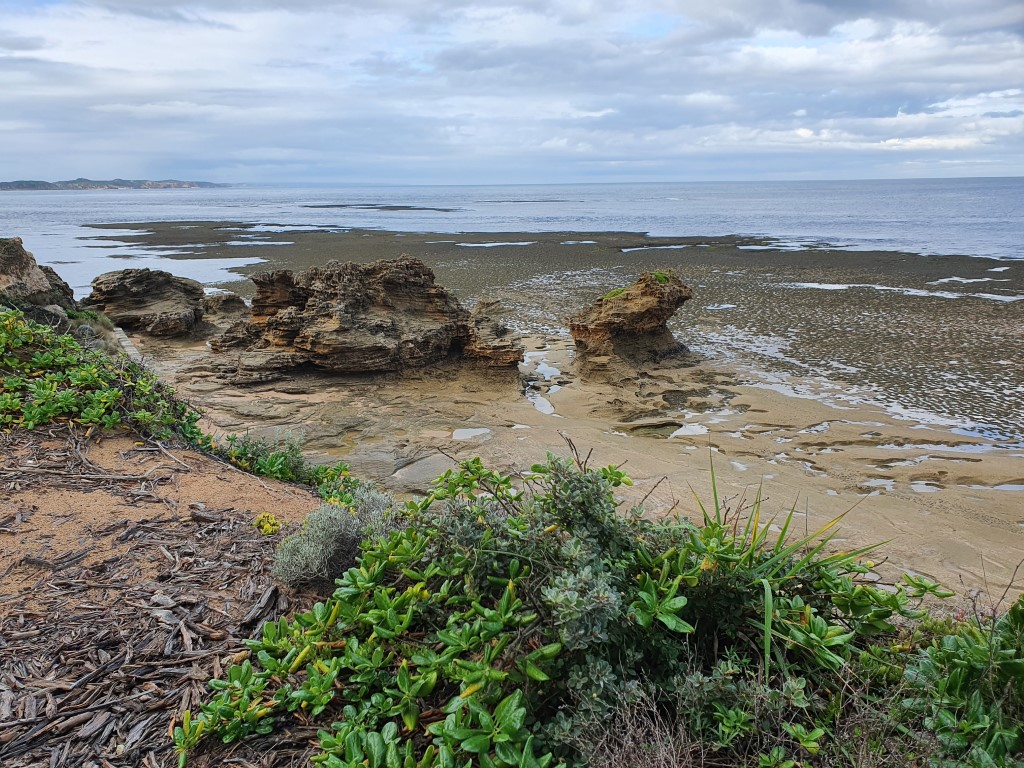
(148, 300)
(24, 283)
(491, 342)
(631, 323)
(224, 304)
(388, 315)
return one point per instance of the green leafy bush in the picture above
(282, 460)
(49, 377)
(968, 686)
(499, 624)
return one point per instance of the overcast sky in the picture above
(482, 91)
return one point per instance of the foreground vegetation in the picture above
(540, 623)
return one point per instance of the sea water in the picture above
(971, 217)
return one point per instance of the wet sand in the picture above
(862, 382)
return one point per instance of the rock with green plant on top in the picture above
(631, 323)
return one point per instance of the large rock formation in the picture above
(362, 318)
(148, 300)
(631, 323)
(23, 282)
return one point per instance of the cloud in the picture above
(517, 91)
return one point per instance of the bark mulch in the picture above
(100, 654)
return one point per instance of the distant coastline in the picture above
(78, 184)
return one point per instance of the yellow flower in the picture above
(267, 524)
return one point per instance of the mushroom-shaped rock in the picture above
(632, 323)
(24, 283)
(148, 300)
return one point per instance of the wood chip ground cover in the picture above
(130, 573)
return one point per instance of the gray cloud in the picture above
(520, 91)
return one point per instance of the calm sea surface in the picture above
(973, 217)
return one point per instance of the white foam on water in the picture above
(720, 306)
(998, 269)
(960, 448)
(579, 242)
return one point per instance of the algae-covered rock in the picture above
(632, 323)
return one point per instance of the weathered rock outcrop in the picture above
(225, 304)
(362, 318)
(631, 323)
(23, 282)
(491, 342)
(148, 300)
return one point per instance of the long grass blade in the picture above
(714, 487)
(769, 607)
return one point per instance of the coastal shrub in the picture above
(328, 544)
(493, 625)
(613, 293)
(89, 317)
(50, 377)
(968, 686)
(280, 459)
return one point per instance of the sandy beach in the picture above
(884, 386)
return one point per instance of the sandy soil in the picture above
(69, 500)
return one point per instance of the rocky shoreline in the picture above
(947, 502)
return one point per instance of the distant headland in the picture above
(74, 184)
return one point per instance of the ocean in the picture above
(972, 217)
